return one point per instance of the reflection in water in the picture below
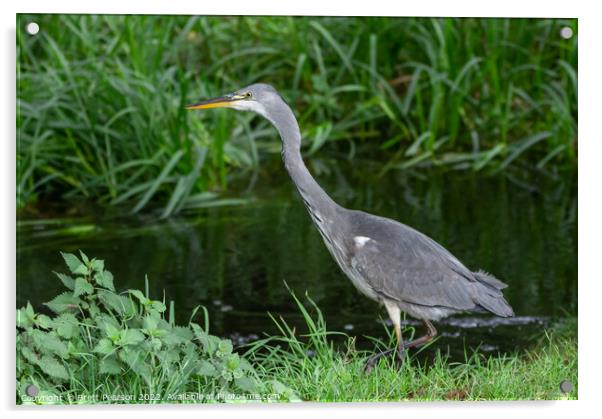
(235, 260)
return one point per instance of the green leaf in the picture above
(82, 287)
(29, 312)
(246, 384)
(93, 309)
(140, 296)
(66, 280)
(73, 263)
(105, 280)
(210, 343)
(97, 265)
(82, 270)
(77, 348)
(122, 305)
(63, 302)
(206, 369)
(23, 320)
(84, 257)
(104, 346)
(135, 360)
(112, 332)
(278, 387)
(233, 362)
(47, 342)
(156, 344)
(44, 322)
(66, 325)
(150, 323)
(130, 337)
(224, 347)
(167, 357)
(159, 306)
(109, 365)
(178, 335)
(51, 366)
(103, 318)
(66, 330)
(245, 365)
(30, 355)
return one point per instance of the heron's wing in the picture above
(403, 264)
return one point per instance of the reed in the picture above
(100, 100)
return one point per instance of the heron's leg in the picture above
(400, 346)
(395, 316)
(431, 332)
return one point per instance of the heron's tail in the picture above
(489, 294)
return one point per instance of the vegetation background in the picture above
(101, 100)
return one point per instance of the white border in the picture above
(506, 8)
(590, 213)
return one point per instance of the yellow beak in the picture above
(218, 102)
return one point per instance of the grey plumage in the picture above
(417, 273)
(387, 261)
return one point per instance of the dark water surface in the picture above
(235, 260)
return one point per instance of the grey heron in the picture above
(387, 261)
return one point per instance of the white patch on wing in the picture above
(360, 241)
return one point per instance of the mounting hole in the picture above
(31, 390)
(32, 28)
(566, 32)
(566, 386)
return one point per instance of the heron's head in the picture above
(260, 98)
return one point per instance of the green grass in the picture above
(331, 374)
(100, 100)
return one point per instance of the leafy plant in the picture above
(110, 346)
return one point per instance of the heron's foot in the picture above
(373, 360)
(430, 335)
(400, 356)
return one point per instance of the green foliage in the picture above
(102, 345)
(101, 99)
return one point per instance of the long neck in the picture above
(317, 201)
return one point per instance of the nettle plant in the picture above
(104, 346)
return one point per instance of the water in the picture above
(236, 260)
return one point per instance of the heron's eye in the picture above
(248, 95)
